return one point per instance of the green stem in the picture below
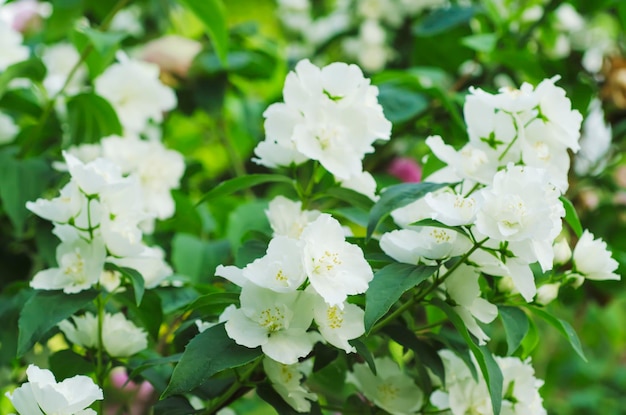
(219, 402)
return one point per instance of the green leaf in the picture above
(516, 326)
(44, 310)
(571, 216)
(488, 366)
(196, 258)
(21, 181)
(66, 364)
(175, 405)
(212, 13)
(482, 42)
(424, 352)
(208, 353)
(135, 278)
(150, 313)
(244, 182)
(564, 328)
(530, 342)
(397, 196)
(387, 287)
(213, 304)
(91, 117)
(31, 69)
(399, 103)
(441, 20)
(104, 43)
(269, 395)
(175, 358)
(365, 353)
(351, 197)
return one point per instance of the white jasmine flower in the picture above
(281, 269)
(8, 129)
(94, 176)
(462, 287)
(120, 337)
(335, 267)
(331, 115)
(11, 46)
(562, 251)
(80, 264)
(594, 143)
(42, 395)
(520, 387)
(593, 260)
(425, 244)
(158, 169)
(470, 162)
(337, 324)
(363, 183)
(278, 322)
(134, 90)
(287, 381)
(60, 59)
(523, 208)
(62, 208)
(547, 293)
(287, 218)
(452, 209)
(411, 213)
(390, 389)
(150, 263)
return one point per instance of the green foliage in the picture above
(212, 13)
(210, 352)
(516, 326)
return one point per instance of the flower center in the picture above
(335, 317)
(272, 319)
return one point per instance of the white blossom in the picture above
(42, 395)
(8, 129)
(335, 267)
(134, 90)
(390, 389)
(330, 114)
(287, 381)
(11, 46)
(452, 209)
(62, 208)
(593, 260)
(425, 244)
(60, 60)
(287, 218)
(278, 322)
(80, 264)
(120, 337)
(594, 143)
(338, 325)
(150, 263)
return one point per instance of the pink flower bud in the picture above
(405, 169)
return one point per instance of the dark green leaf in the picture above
(44, 310)
(31, 69)
(424, 352)
(388, 286)
(175, 405)
(243, 182)
(401, 104)
(441, 20)
(324, 355)
(213, 304)
(91, 117)
(21, 181)
(175, 358)
(516, 325)
(248, 221)
(397, 196)
(208, 353)
(564, 328)
(365, 353)
(66, 364)
(212, 13)
(351, 197)
(175, 298)
(530, 342)
(488, 366)
(196, 258)
(134, 277)
(150, 313)
(571, 217)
